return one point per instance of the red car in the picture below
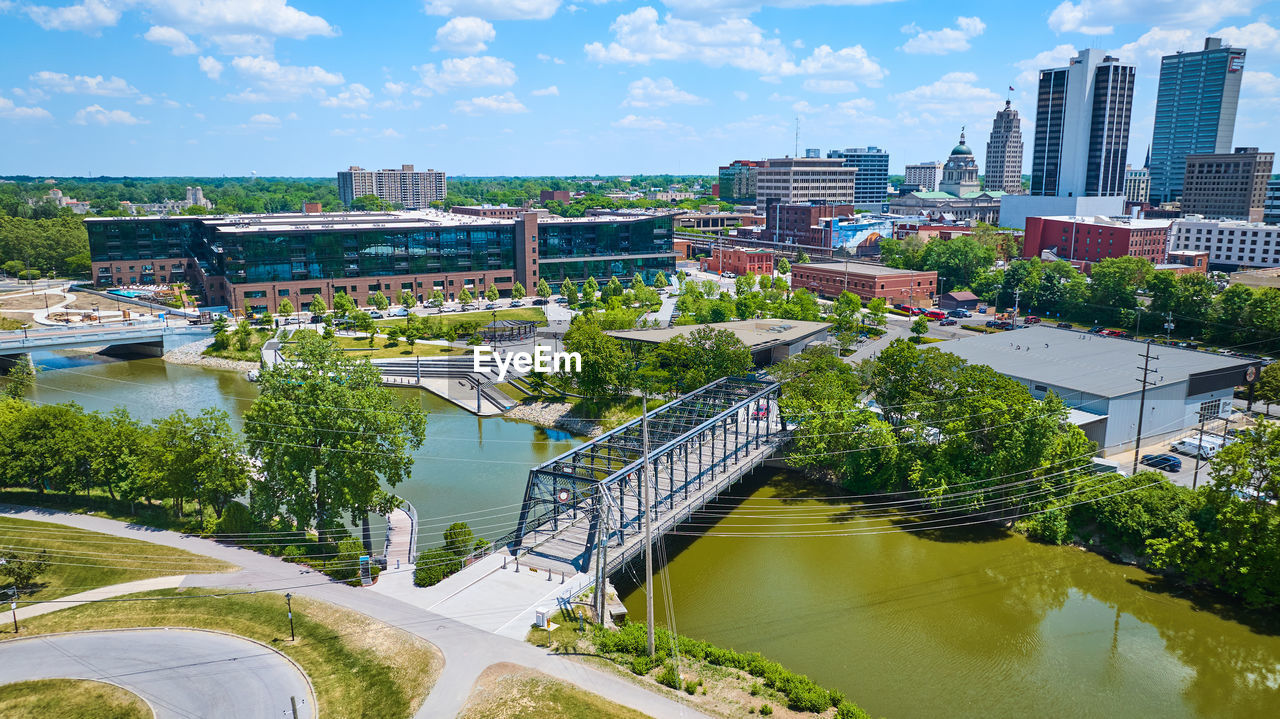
(917, 311)
(936, 314)
(1031, 320)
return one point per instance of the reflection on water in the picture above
(976, 624)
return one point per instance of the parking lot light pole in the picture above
(288, 600)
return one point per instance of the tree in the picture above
(318, 307)
(198, 458)
(459, 540)
(1114, 281)
(364, 323)
(660, 281)
(243, 335)
(742, 284)
(20, 378)
(437, 296)
(491, 294)
(801, 258)
(611, 290)
(542, 289)
(638, 281)
(465, 296)
(589, 289)
(517, 291)
(848, 304)
(920, 326)
(407, 299)
(343, 305)
(877, 308)
(958, 260)
(604, 362)
(766, 282)
(1268, 388)
(379, 300)
(783, 266)
(22, 568)
(687, 362)
(315, 463)
(569, 291)
(370, 203)
(285, 308)
(43, 447)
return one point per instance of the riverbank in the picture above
(192, 355)
(555, 415)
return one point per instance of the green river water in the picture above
(972, 623)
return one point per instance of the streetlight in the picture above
(288, 600)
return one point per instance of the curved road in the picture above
(181, 673)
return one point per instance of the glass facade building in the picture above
(1195, 112)
(871, 185)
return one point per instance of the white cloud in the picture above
(830, 86)
(146, 100)
(273, 18)
(100, 116)
(83, 84)
(395, 89)
(1099, 17)
(263, 118)
(1031, 67)
(1260, 84)
(741, 95)
(742, 8)
(10, 111)
(479, 71)
(948, 39)
(640, 38)
(642, 122)
(805, 108)
(952, 95)
(1256, 36)
(506, 104)
(1155, 44)
(465, 35)
(547, 58)
(356, 95)
(494, 9)
(243, 43)
(172, 38)
(647, 92)
(551, 90)
(275, 82)
(390, 133)
(339, 132)
(210, 66)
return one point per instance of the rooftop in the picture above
(1079, 361)
(1102, 220)
(755, 334)
(402, 219)
(864, 268)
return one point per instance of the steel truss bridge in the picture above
(582, 511)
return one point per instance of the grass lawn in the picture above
(509, 390)
(611, 412)
(508, 691)
(254, 354)
(99, 504)
(359, 347)
(70, 699)
(7, 323)
(484, 317)
(360, 667)
(80, 560)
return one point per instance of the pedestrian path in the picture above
(27, 610)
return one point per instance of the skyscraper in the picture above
(407, 187)
(1082, 127)
(1004, 152)
(873, 174)
(1195, 111)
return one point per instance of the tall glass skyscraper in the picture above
(871, 185)
(1195, 111)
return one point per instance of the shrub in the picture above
(294, 553)
(1049, 527)
(236, 519)
(669, 677)
(765, 710)
(641, 665)
(434, 565)
(847, 710)
(755, 689)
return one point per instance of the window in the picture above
(1211, 408)
(255, 294)
(282, 293)
(309, 291)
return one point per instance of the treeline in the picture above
(968, 442)
(59, 246)
(679, 365)
(519, 190)
(754, 296)
(228, 194)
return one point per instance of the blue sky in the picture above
(526, 87)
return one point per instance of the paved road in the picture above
(468, 650)
(181, 673)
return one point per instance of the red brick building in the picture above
(868, 281)
(798, 223)
(1186, 262)
(556, 195)
(1093, 239)
(739, 261)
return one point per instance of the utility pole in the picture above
(1168, 326)
(1196, 476)
(648, 521)
(288, 600)
(1017, 297)
(1142, 401)
(13, 606)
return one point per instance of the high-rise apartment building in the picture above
(1137, 184)
(923, 176)
(1271, 210)
(738, 181)
(1231, 244)
(794, 179)
(1004, 153)
(873, 174)
(1082, 127)
(1195, 111)
(406, 187)
(1229, 185)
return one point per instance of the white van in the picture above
(1193, 448)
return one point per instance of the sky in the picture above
(550, 87)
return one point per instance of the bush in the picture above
(1049, 527)
(691, 687)
(847, 710)
(765, 710)
(236, 519)
(640, 665)
(669, 677)
(294, 553)
(433, 566)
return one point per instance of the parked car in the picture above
(562, 300)
(1063, 325)
(948, 322)
(1096, 330)
(934, 314)
(517, 303)
(292, 321)
(1167, 462)
(491, 306)
(398, 312)
(918, 311)
(1031, 320)
(1005, 325)
(315, 319)
(992, 323)
(729, 276)
(960, 313)
(376, 314)
(468, 308)
(902, 307)
(1193, 448)
(539, 302)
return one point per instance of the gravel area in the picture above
(190, 354)
(553, 414)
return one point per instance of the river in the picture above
(972, 623)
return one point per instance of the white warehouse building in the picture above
(1098, 378)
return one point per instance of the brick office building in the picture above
(1093, 239)
(868, 281)
(798, 223)
(738, 260)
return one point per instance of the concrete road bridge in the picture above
(154, 338)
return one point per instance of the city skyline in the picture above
(537, 87)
